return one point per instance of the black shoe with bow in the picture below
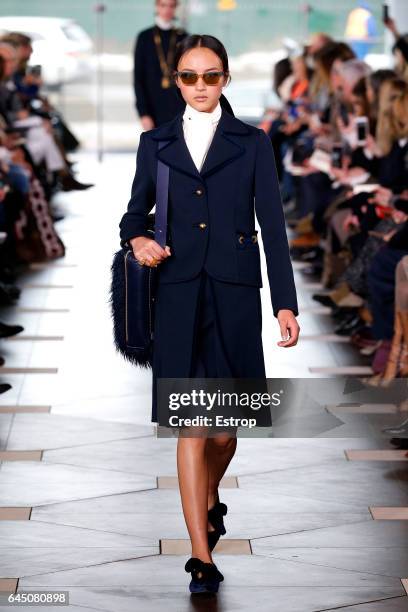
(205, 577)
(215, 517)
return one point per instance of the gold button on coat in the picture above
(202, 225)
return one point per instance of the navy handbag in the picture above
(133, 285)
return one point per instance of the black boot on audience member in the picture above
(350, 325)
(9, 330)
(8, 293)
(69, 183)
(4, 387)
(400, 443)
(324, 299)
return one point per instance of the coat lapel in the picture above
(224, 148)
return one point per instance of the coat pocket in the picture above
(247, 240)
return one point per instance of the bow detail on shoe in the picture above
(209, 571)
(193, 564)
(215, 515)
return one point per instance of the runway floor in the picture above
(88, 494)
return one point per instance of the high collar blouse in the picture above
(199, 128)
(163, 25)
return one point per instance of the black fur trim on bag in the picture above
(137, 349)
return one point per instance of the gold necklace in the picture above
(165, 62)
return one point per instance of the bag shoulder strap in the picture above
(162, 200)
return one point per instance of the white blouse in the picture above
(199, 128)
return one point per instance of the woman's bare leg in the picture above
(193, 482)
(201, 463)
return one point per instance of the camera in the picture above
(337, 155)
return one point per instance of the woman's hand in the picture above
(289, 328)
(340, 174)
(391, 25)
(372, 146)
(292, 127)
(382, 196)
(147, 122)
(387, 237)
(398, 216)
(148, 252)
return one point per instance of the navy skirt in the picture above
(207, 328)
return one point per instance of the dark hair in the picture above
(332, 51)
(282, 70)
(16, 39)
(207, 41)
(360, 91)
(378, 77)
(395, 46)
(201, 40)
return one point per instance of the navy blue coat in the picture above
(211, 219)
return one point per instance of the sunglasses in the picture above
(190, 78)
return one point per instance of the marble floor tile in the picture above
(343, 370)
(37, 285)
(224, 547)
(32, 547)
(15, 514)
(318, 310)
(134, 409)
(323, 482)
(33, 309)
(5, 426)
(31, 561)
(8, 584)
(17, 408)
(36, 353)
(391, 604)
(48, 431)
(34, 321)
(388, 513)
(278, 454)
(171, 482)
(142, 454)
(366, 534)
(376, 455)
(25, 483)
(28, 370)
(34, 338)
(31, 455)
(239, 570)
(140, 513)
(387, 560)
(365, 409)
(325, 338)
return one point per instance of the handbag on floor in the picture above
(133, 285)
